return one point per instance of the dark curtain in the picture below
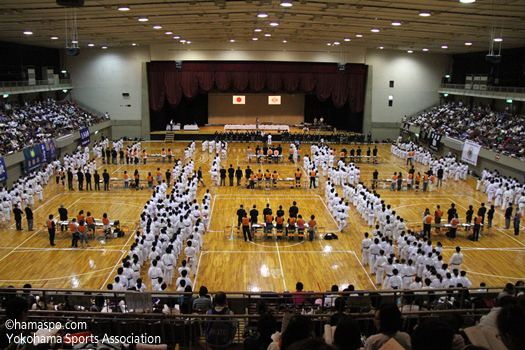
(186, 112)
(324, 79)
(341, 118)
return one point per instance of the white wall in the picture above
(101, 76)
(416, 79)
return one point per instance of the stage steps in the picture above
(169, 136)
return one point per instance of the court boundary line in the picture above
(364, 269)
(281, 265)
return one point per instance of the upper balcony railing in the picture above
(485, 91)
(24, 86)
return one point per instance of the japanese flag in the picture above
(239, 100)
(274, 100)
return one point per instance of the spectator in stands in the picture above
(329, 300)
(266, 326)
(298, 299)
(432, 334)
(299, 327)
(490, 319)
(388, 322)
(16, 311)
(510, 327)
(203, 301)
(220, 331)
(508, 291)
(310, 344)
(347, 335)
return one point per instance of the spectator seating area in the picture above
(500, 132)
(34, 122)
(159, 314)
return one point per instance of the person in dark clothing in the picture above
(280, 212)
(247, 173)
(121, 156)
(254, 213)
(80, 177)
(482, 211)
(222, 173)
(62, 212)
(168, 177)
(374, 154)
(293, 211)
(267, 210)
(18, 218)
(87, 176)
(490, 216)
(114, 155)
(375, 177)
(451, 212)
(240, 214)
(51, 228)
(29, 217)
(70, 179)
(105, 176)
(508, 216)
(469, 214)
(231, 174)
(238, 175)
(108, 156)
(96, 179)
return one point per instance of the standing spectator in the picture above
(517, 218)
(18, 217)
(388, 322)
(231, 174)
(96, 179)
(29, 217)
(508, 216)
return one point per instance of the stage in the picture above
(207, 132)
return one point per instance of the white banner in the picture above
(239, 100)
(470, 152)
(274, 100)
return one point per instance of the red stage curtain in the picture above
(325, 79)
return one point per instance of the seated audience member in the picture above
(220, 331)
(388, 322)
(432, 335)
(203, 301)
(311, 344)
(510, 327)
(266, 327)
(299, 327)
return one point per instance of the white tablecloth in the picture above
(191, 127)
(252, 127)
(173, 127)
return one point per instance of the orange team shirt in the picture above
(432, 178)
(163, 153)
(105, 221)
(279, 220)
(136, 175)
(298, 151)
(252, 177)
(275, 175)
(292, 221)
(89, 220)
(245, 222)
(418, 178)
(291, 150)
(333, 152)
(399, 177)
(426, 177)
(72, 227)
(49, 223)
(126, 176)
(342, 154)
(276, 153)
(410, 176)
(311, 223)
(150, 178)
(428, 219)
(300, 222)
(170, 153)
(312, 173)
(298, 174)
(55, 172)
(454, 222)
(267, 175)
(144, 154)
(478, 220)
(80, 217)
(270, 152)
(81, 228)
(159, 173)
(269, 218)
(393, 178)
(259, 175)
(439, 213)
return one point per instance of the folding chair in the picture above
(279, 233)
(269, 231)
(290, 232)
(300, 233)
(228, 232)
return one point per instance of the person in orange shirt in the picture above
(252, 181)
(74, 232)
(279, 223)
(298, 175)
(275, 176)
(137, 179)
(159, 176)
(453, 227)
(427, 223)
(267, 177)
(90, 220)
(259, 178)
(312, 178)
(300, 222)
(431, 183)
(57, 175)
(418, 179)
(393, 184)
(290, 228)
(268, 221)
(105, 223)
(246, 228)
(170, 155)
(163, 155)
(82, 233)
(144, 156)
(80, 216)
(425, 182)
(410, 179)
(150, 181)
(311, 228)
(438, 214)
(126, 179)
(51, 229)
(298, 154)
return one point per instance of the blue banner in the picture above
(84, 136)
(3, 170)
(32, 158)
(52, 149)
(43, 152)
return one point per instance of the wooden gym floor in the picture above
(230, 264)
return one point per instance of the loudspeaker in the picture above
(73, 51)
(125, 94)
(70, 3)
(178, 65)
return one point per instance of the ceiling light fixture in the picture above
(274, 24)
(348, 39)
(468, 43)
(262, 15)
(381, 47)
(267, 34)
(133, 44)
(257, 30)
(498, 39)
(232, 40)
(176, 37)
(63, 71)
(54, 38)
(359, 35)
(255, 39)
(74, 41)
(396, 23)
(157, 27)
(329, 44)
(425, 49)
(28, 32)
(91, 45)
(410, 51)
(183, 40)
(123, 8)
(337, 43)
(374, 30)
(425, 13)
(188, 42)
(286, 3)
(444, 46)
(168, 33)
(104, 47)
(143, 19)
(284, 41)
(467, 1)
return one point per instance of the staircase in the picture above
(169, 136)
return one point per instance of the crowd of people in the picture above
(34, 122)
(500, 132)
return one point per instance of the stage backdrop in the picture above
(221, 109)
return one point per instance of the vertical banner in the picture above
(470, 152)
(434, 141)
(43, 152)
(3, 170)
(52, 150)
(32, 158)
(84, 136)
(274, 100)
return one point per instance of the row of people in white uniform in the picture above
(502, 190)
(219, 147)
(171, 224)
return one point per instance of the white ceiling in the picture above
(315, 22)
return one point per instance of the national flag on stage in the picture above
(274, 100)
(239, 100)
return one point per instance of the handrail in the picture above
(470, 87)
(22, 83)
